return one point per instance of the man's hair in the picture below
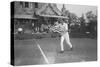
(60, 20)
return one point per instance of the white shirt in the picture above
(65, 25)
(65, 28)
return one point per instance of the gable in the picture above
(48, 11)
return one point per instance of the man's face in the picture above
(56, 23)
(62, 22)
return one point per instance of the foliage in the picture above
(91, 17)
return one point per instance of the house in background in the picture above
(26, 13)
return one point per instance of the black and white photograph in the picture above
(52, 33)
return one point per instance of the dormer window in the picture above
(21, 3)
(36, 5)
(26, 5)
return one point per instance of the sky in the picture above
(79, 9)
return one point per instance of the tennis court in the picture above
(46, 51)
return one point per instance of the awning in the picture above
(24, 17)
(54, 16)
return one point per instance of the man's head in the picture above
(61, 21)
(56, 23)
(64, 21)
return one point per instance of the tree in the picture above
(92, 19)
(90, 16)
(82, 23)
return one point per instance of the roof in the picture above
(54, 16)
(50, 10)
(55, 9)
(24, 16)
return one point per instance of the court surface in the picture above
(46, 51)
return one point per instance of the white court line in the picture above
(42, 53)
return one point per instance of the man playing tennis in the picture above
(62, 28)
(64, 36)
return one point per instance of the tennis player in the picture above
(65, 36)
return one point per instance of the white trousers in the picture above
(67, 40)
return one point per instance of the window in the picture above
(36, 5)
(26, 5)
(21, 3)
